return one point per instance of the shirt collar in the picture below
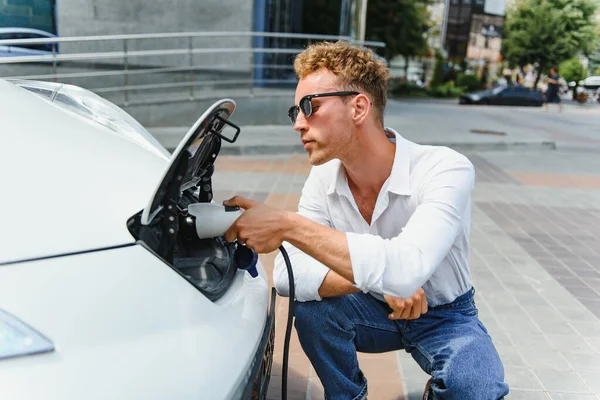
(399, 180)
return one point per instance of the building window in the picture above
(32, 14)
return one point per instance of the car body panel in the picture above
(127, 326)
(504, 96)
(591, 83)
(61, 200)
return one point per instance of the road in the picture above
(577, 126)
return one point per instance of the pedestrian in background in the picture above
(553, 91)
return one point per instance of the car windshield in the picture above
(497, 90)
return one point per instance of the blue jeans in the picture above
(448, 342)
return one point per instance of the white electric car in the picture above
(106, 291)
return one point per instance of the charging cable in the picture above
(246, 259)
(288, 328)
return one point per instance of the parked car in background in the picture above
(504, 96)
(591, 82)
(29, 49)
(591, 86)
(106, 290)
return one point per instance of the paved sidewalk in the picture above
(535, 263)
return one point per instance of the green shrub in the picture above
(572, 70)
(437, 91)
(469, 82)
(402, 88)
(445, 91)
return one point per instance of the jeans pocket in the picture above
(470, 312)
(467, 309)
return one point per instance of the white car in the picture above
(105, 291)
(29, 49)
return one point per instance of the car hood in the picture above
(68, 184)
(124, 325)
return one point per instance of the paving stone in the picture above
(570, 396)
(544, 358)
(510, 355)
(521, 378)
(591, 379)
(584, 362)
(569, 343)
(527, 395)
(488, 172)
(556, 380)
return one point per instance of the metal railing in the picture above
(127, 68)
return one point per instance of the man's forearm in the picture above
(323, 243)
(335, 285)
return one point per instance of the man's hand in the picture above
(260, 227)
(410, 308)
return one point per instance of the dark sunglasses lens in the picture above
(306, 107)
(293, 114)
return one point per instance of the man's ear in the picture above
(362, 107)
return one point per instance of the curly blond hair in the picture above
(356, 67)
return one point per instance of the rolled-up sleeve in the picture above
(399, 266)
(308, 272)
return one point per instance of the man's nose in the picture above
(301, 123)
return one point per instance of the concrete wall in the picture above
(95, 17)
(108, 17)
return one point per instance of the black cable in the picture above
(290, 320)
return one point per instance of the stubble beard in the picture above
(319, 155)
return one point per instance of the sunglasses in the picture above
(305, 104)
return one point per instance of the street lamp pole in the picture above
(353, 19)
(444, 25)
(360, 18)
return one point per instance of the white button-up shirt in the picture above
(419, 231)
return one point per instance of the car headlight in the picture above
(475, 97)
(93, 107)
(18, 339)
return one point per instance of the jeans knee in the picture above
(473, 375)
(471, 385)
(484, 383)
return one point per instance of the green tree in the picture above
(546, 32)
(401, 24)
(572, 70)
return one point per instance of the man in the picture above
(382, 223)
(553, 91)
